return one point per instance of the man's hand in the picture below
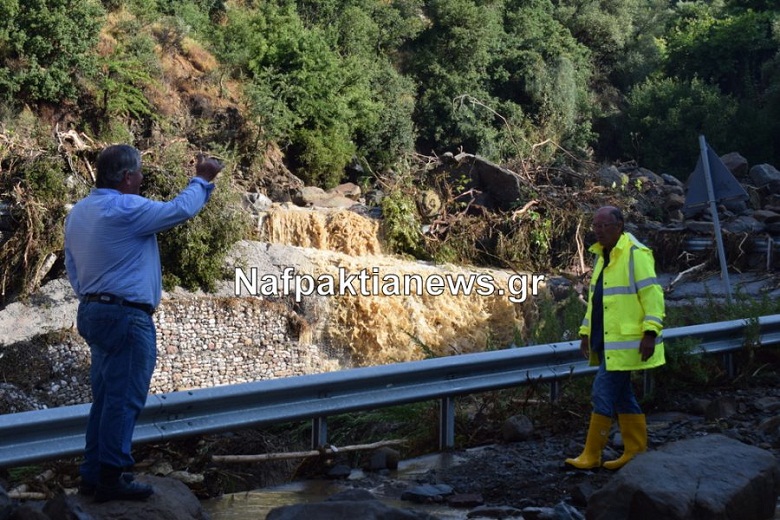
(207, 167)
(647, 347)
(585, 346)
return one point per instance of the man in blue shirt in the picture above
(113, 264)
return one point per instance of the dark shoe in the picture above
(122, 490)
(88, 488)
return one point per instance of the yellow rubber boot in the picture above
(594, 443)
(633, 428)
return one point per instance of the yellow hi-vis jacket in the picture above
(633, 304)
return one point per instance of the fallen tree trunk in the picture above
(303, 454)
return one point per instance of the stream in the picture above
(255, 505)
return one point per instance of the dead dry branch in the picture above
(326, 450)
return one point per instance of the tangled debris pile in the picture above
(465, 209)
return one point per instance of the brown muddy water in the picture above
(255, 505)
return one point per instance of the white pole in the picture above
(724, 271)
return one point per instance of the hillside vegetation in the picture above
(364, 90)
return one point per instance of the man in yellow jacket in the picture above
(621, 332)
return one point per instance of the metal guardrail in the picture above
(59, 432)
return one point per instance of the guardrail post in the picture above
(728, 362)
(647, 383)
(446, 423)
(319, 432)
(555, 390)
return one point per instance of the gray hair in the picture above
(113, 162)
(615, 212)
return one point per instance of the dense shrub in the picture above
(193, 254)
(45, 47)
(665, 118)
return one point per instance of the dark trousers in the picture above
(123, 344)
(612, 392)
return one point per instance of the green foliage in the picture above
(556, 321)
(725, 51)
(757, 5)
(121, 84)
(45, 47)
(742, 306)
(468, 34)
(514, 76)
(322, 154)
(193, 10)
(666, 116)
(193, 253)
(526, 243)
(336, 81)
(547, 72)
(389, 423)
(604, 26)
(401, 226)
(135, 6)
(387, 132)
(311, 88)
(685, 368)
(123, 75)
(738, 51)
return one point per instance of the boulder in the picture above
(611, 177)
(348, 189)
(721, 408)
(646, 176)
(172, 500)
(427, 493)
(762, 174)
(736, 164)
(384, 458)
(671, 180)
(707, 477)
(517, 428)
(504, 187)
(744, 225)
(311, 196)
(674, 202)
(766, 216)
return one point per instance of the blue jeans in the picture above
(123, 344)
(612, 391)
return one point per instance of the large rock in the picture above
(762, 174)
(736, 164)
(311, 196)
(712, 477)
(172, 500)
(611, 177)
(504, 188)
(53, 307)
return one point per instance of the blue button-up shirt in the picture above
(110, 241)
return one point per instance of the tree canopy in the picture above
(337, 82)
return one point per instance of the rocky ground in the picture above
(531, 474)
(526, 475)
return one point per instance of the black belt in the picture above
(116, 300)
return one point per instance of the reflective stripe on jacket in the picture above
(633, 303)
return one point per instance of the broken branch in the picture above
(303, 454)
